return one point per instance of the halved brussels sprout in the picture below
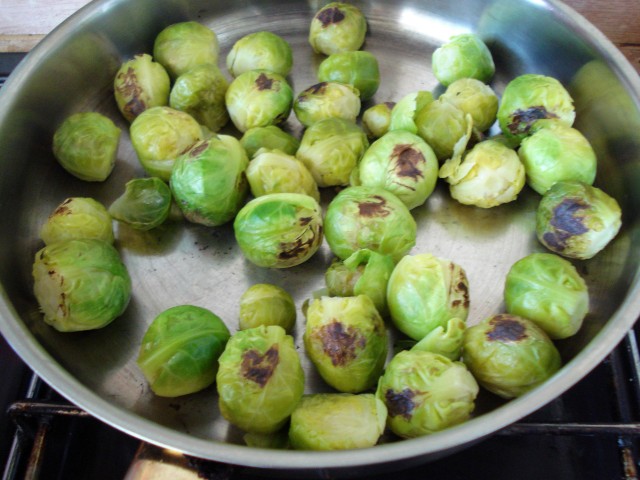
(145, 203)
(403, 114)
(80, 284)
(548, 290)
(425, 292)
(369, 217)
(357, 68)
(260, 379)
(159, 135)
(337, 421)
(444, 340)
(509, 355)
(140, 83)
(425, 392)
(337, 27)
(377, 119)
(270, 137)
(442, 124)
(184, 45)
(78, 217)
(463, 56)
(346, 339)
(279, 230)
(577, 220)
(258, 98)
(86, 145)
(331, 149)
(260, 51)
(209, 183)
(267, 304)
(327, 100)
(475, 98)
(180, 349)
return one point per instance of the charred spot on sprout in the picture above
(374, 208)
(567, 222)
(318, 88)
(299, 248)
(259, 367)
(400, 403)
(329, 16)
(506, 328)
(263, 82)
(524, 119)
(196, 151)
(305, 221)
(130, 88)
(340, 343)
(407, 160)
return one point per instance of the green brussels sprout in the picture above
(401, 163)
(577, 220)
(425, 292)
(78, 217)
(260, 51)
(367, 217)
(442, 124)
(531, 97)
(357, 68)
(86, 145)
(331, 149)
(270, 137)
(181, 46)
(553, 152)
(260, 379)
(80, 284)
(474, 98)
(279, 230)
(327, 100)
(377, 119)
(403, 113)
(180, 349)
(266, 304)
(208, 182)
(425, 393)
(258, 98)
(346, 339)
(509, 355)
(159, 135)
(272, 171)
(463, 56)
(140, 83)
(548, 290)
(200, 92)
(145, 203)
(337, 421)
(489, 175)
(444, 340)
(337, 27)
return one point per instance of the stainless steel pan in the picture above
(72, 70)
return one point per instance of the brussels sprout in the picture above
(365, 272)
(475, 98)
(208, 182)
(270, 137)
(331, 149)
(367, 217)
(548, 290)
(78, 217)
(446, 341)
(555, 152)
(140, 83)
(401, 163)
(80, 284)
(441, 124)
(509, 355)
(425, 392)
(258, 98)
(182, 46)
(279, 230)
(358, 68)
(272, 171)
(266, 304)
(532, 97)
(337, 27)
(463, 56)
(260, 379)
(159, 135)
(180, 349)
(490, 174)
(145, 203)
(403, 114)
(576, 220)
(346, 339)
(377, 119)
(260, 51)
(327, 100)
(425, 292)
(86, 145)
(200, 93)
(337, 421)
